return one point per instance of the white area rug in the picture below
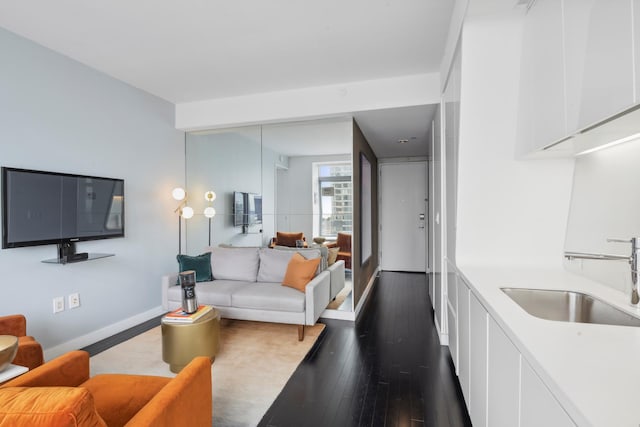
(253, 364)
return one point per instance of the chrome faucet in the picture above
(631, 259)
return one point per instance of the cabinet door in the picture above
(463, 339)
(542, 115)
(503, 386)
(477, 402)
(538, 406)
(452, 325)
(599, 60)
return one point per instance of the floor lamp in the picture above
(209, 211)
(182, 210)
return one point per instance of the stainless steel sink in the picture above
(568, 306)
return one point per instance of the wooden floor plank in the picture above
(386, 369)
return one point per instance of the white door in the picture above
(403, 216)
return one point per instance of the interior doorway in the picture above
(403, 216)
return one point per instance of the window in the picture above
(334, 188)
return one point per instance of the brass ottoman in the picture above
(181, 342)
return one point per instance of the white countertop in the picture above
(593, 370)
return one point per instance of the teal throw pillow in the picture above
(201, 264)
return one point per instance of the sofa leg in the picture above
(300, 332)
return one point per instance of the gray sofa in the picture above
(247, 285)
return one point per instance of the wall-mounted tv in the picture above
(41, 208)
(247, 209)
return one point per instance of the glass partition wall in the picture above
(268, 178)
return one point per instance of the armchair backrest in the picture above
(344, 242)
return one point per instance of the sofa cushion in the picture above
(216, 293)
(273, 265)
(201, 264)
(55, 406)
(288, 239)
(235, 264)
(300, 271)
(269, 296)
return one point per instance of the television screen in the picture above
(254, 209)
(238, 209)
(40, 208)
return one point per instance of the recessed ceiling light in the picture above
(403, 141)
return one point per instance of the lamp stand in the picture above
(179, 235)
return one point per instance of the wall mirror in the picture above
(299, 173)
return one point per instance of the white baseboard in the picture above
(352, 315)
(100, 334)
(365, 294)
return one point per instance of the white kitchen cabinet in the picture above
(453, 335)
(598, 55)
(503, 386)
(538, 406)
(542, 110)
(477, 403)
(463, 339)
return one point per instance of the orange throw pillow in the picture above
(300, 271)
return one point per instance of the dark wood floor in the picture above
(387, 369)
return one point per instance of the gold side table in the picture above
(181, 342)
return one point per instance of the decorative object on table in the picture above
(180, 316)
(188, 285)
(182, 210)
(319, 240)
(8, 350)
(209, 211)
(30, 352)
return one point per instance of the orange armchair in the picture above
(29, 350)
(344, 253)
(61, 393)
(287, 239)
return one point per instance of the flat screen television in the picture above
(42, 208)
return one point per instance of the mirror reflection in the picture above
(278, 178)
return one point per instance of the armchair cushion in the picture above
(48, 407)
(108, 389)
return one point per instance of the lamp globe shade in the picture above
(178, 193)
(187, 212)
(209, 212)
(210, 196)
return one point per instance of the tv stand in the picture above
(67, 254)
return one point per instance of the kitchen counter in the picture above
(593, 370)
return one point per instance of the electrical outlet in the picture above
(74, 300)
(58, 304)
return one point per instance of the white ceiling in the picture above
(193, 50)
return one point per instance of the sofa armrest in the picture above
(69, 370)
(186, 399)
(336, 271)
(167, 281)
(316, 297)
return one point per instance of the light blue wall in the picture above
(57, 114)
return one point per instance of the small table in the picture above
(181, 342)
(12, 371)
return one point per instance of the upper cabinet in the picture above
(542, 112)
(598, 40)
(577, 68)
